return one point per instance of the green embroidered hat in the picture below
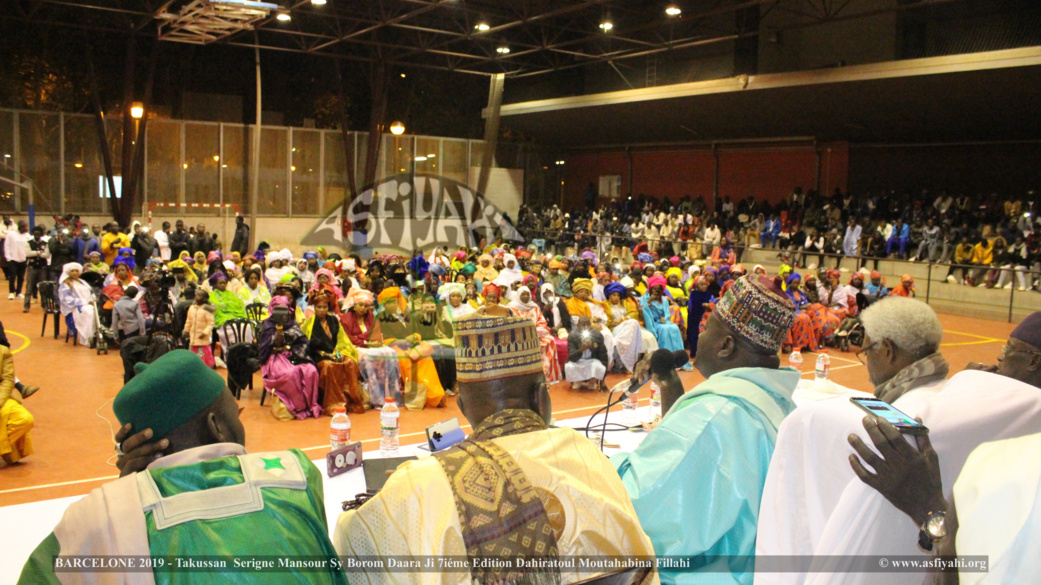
(167, 393)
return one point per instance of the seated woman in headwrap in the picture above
(554, 309)
(378, 364)
(510, 273)
(227, 305)
(304, 273)
(624, 324)
(276, 268)
(287, 371)
(493, 306)
(832, 306)
(199, 265)
(325, 280)
(583, 305)
(723, 253)
(453, 302)
(114, 285)
(335, 357)
(254, 291)
(802, 335)
(76, 298)
(657, 313)
(602, 280)
(96, 264)
(473, 295)
(524, 307)
(485, 272)
(675, 291)
(126, 256)
(414, 354)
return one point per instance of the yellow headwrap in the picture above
(390, 294)
(582, 283)
(189, 274)
(674, 271)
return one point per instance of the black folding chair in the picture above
(234, 331)
(49, 302)
(255, 312)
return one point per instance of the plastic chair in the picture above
(48, 290)
(255, 312)
(234, 331)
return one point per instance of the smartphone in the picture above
(882, 409)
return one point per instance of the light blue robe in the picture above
(696, 481)
(667, 333)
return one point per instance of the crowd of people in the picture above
(987, 241)
(733, 473)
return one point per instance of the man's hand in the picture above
(908, 478)
(981, 367)
(137, 451)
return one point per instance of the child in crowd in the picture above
(127, 318)
(198, 327)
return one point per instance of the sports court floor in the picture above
(74, 420)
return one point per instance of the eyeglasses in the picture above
(1007, 349)
(860, 353)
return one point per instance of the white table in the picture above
(26, 525)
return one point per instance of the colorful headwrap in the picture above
(675, 261)
(602, 277)
(615, 287)
(875, 274)
(756, 309)
(907, 279)
(229, 265)
(310, 254)
(315, 296)
(793, 277)
(489, 288)
(357, 295)
(278, 301)
(784, 269)
(739, 268)
(644, 257)
(627, 282)
(483, 257)
(490, 348)
(468, 269)
(555, 264)
(327, 273)
(656, 280)
(389, 294)
(832, 273)
(214, 255)
(531, 278)
(460, 255)
(447, 290)
(217, 276)
(582, 284)
(674, 271)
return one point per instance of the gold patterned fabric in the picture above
(501, 513)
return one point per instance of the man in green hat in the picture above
(204, 498)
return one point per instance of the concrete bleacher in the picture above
(931, 287)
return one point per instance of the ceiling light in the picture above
(560, 162)
(292, 168)
(482, 26)
(673, 10)
(397, 128)
(420, 158)
(318, 2)
(7, 156)
(284, 16)
(137, 110)
(403, 75)
(216, 158)
(78, 165)
(606, 25)
(185, 165)
(431, 156)
(503, 50)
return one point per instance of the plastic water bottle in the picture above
(629, 416)
(795, 360)
(339, 429)
(655, 410)
(389, 429)
(823, 366)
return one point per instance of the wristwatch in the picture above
(932, 530)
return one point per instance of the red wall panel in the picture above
(768, 174)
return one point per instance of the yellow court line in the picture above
(973, 335)
(971, 343)
(14, 351)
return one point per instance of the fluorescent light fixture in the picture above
(482, 26)
(606, 25)
(503, 50)
(284, 16)
(318, 2)
(673, 10)
(420, 158)
(431, 156)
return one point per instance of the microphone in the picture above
(627, 387)
(664, 361)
